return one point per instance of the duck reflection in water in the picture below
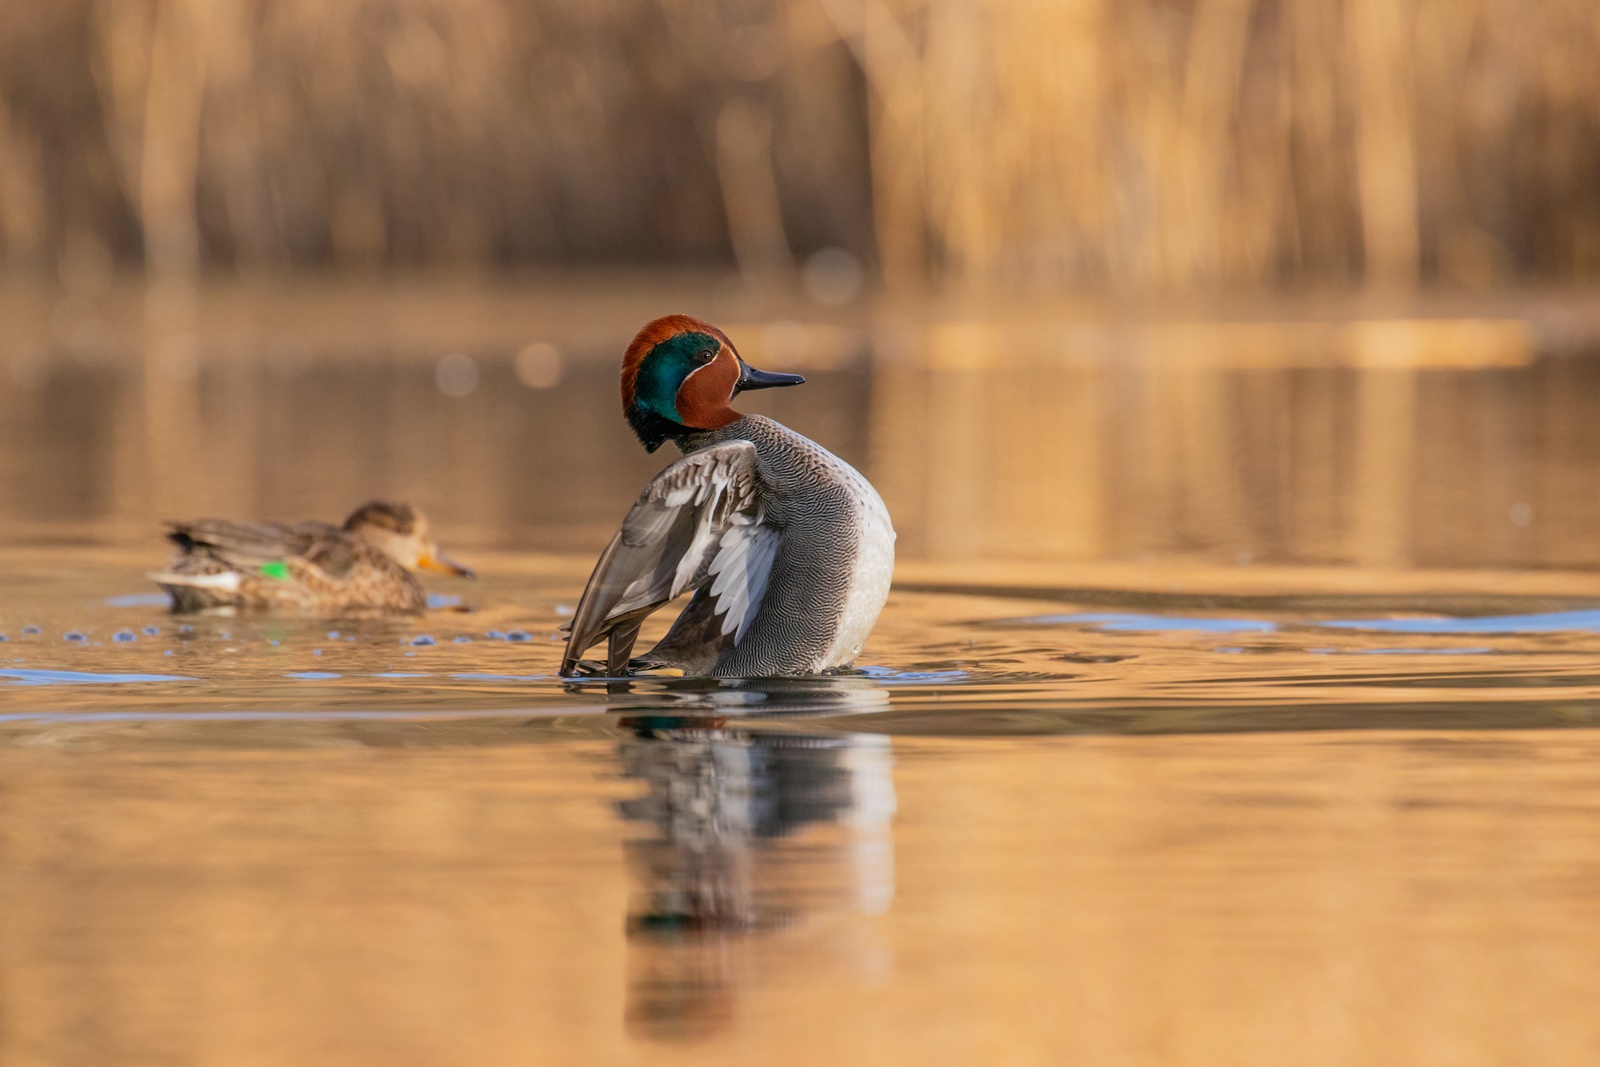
(747, 836)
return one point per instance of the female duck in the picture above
(787, 548)
(309, 568)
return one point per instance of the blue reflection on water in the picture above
(1128, 622)
(890, 676)
(1548, 622)
(478, 676)
(1423, 651)
(1583, 620)
(27, 677)
(139, 600)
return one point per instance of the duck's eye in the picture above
(708, 355)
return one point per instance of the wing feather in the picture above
(697, 522)
(240, 544)
(742, 565)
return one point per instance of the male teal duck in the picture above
(787, 548)
(308, 568)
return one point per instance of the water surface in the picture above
(1025, 831)
(1237, 703)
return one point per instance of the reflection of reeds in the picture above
(1293, 441)
(1135, 144)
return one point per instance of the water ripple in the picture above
(1135, 623)
(41, 677)
(1587, 620)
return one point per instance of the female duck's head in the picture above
(681, 374)
(402, 533)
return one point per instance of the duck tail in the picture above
(226, 581)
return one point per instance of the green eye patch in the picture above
(276, 569)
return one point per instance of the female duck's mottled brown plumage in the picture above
(308, 567)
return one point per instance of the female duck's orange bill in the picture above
(438, 561)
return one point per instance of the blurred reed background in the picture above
(1298, 280)
(1051, 143)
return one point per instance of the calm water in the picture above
(1029, 831)
(1138, 768)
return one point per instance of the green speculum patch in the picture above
(276, 569)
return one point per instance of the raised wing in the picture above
(697, 523)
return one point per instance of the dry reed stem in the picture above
(1132, 145)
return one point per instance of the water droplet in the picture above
(333, 635)
(316, 651)
(496, 635)
(151, 631)
(31, 629)
(168, 652)
(463, 639)
(423, 639)
(564, 609)
(539, 365)
(519, 635)
(73, 635)
(832, 276)
(124, 636)
(410, 653)
(456, 374)
(186, 629)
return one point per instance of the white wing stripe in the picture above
(760, 568)
(741, 567)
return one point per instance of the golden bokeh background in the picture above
(1060, 145)
(1297, 281)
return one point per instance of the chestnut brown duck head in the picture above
(680, 375)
